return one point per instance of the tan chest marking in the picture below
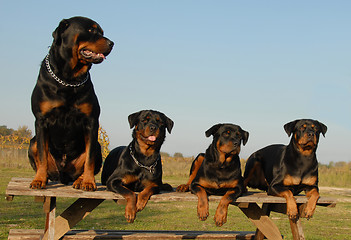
(290, 180)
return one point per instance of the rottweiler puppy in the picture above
(285, 171)
(65, 146)
(218, 171)
(138, 167)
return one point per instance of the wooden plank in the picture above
(20, 186)
(266, 208)
(296, 229)
(72, 215)
(17, 234)
(49, 207)
(262, 222)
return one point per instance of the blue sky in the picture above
(258, 64)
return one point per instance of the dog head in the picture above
(227, 138)
(150, 127)
(305, 134)
(82, 41)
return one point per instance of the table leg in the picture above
(296, 229)
(262, 221)
(50, 210)
(72, 215)
(266, 209)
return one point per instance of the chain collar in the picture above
(47, 63)
(151, 168)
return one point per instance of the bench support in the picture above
(70, 217)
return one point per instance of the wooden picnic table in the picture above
(61, 226)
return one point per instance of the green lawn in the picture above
(23, 212)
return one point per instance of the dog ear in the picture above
(213, 130)
(59, 30)
(133, 119)
(323, 128)
(169, 123)
(245, 136)
(289, 127)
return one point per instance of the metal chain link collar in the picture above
(47, 63)
(151, 168)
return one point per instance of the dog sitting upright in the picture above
(218, 171)
(65, 146)
(285, 171)
(138, 167)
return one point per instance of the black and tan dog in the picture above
(218, 171)
(285, 171)
(138, 167)
(65, 147)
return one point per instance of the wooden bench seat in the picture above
(61, 226)
(36, 234)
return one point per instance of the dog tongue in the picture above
(152, 138)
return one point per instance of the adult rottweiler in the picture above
(138, 167)
(65, 146)
(285, 171)
(218, 171)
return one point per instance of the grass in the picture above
(23, 212)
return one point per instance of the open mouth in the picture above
(150, 138)
(93, 56)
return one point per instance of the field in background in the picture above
(332, 175)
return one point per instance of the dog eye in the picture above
(92, 30)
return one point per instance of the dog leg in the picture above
(86, 181)
(193, 171)
(130, 211)
(222, 210)
(40, 157)
(145, 195)
(313, 197)
(291, 207)
(202, 205)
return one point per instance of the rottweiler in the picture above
(286, 170)
(138, 167)
(218, 171)
(65, 147)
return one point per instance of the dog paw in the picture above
(293, 215)
(202, 213)
(308, 213)
(89, 186)
(130, 214)
(37, 184)
(183, 188)
(77, 183)
(141, 203)
(220, 220)
(220, 217)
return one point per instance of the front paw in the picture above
(86, 185)
(220, 217)
(183, 188)
(141, 203)
(308, 212)
(293, 213)
(89, 186)
(202, 213)
(130, 214)
(38, 184)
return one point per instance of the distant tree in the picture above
(4, 131)
(23, 131)
(164, 154)
(178, 155)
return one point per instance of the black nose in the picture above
(110, 43)
(152, 128)
(310, 134)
